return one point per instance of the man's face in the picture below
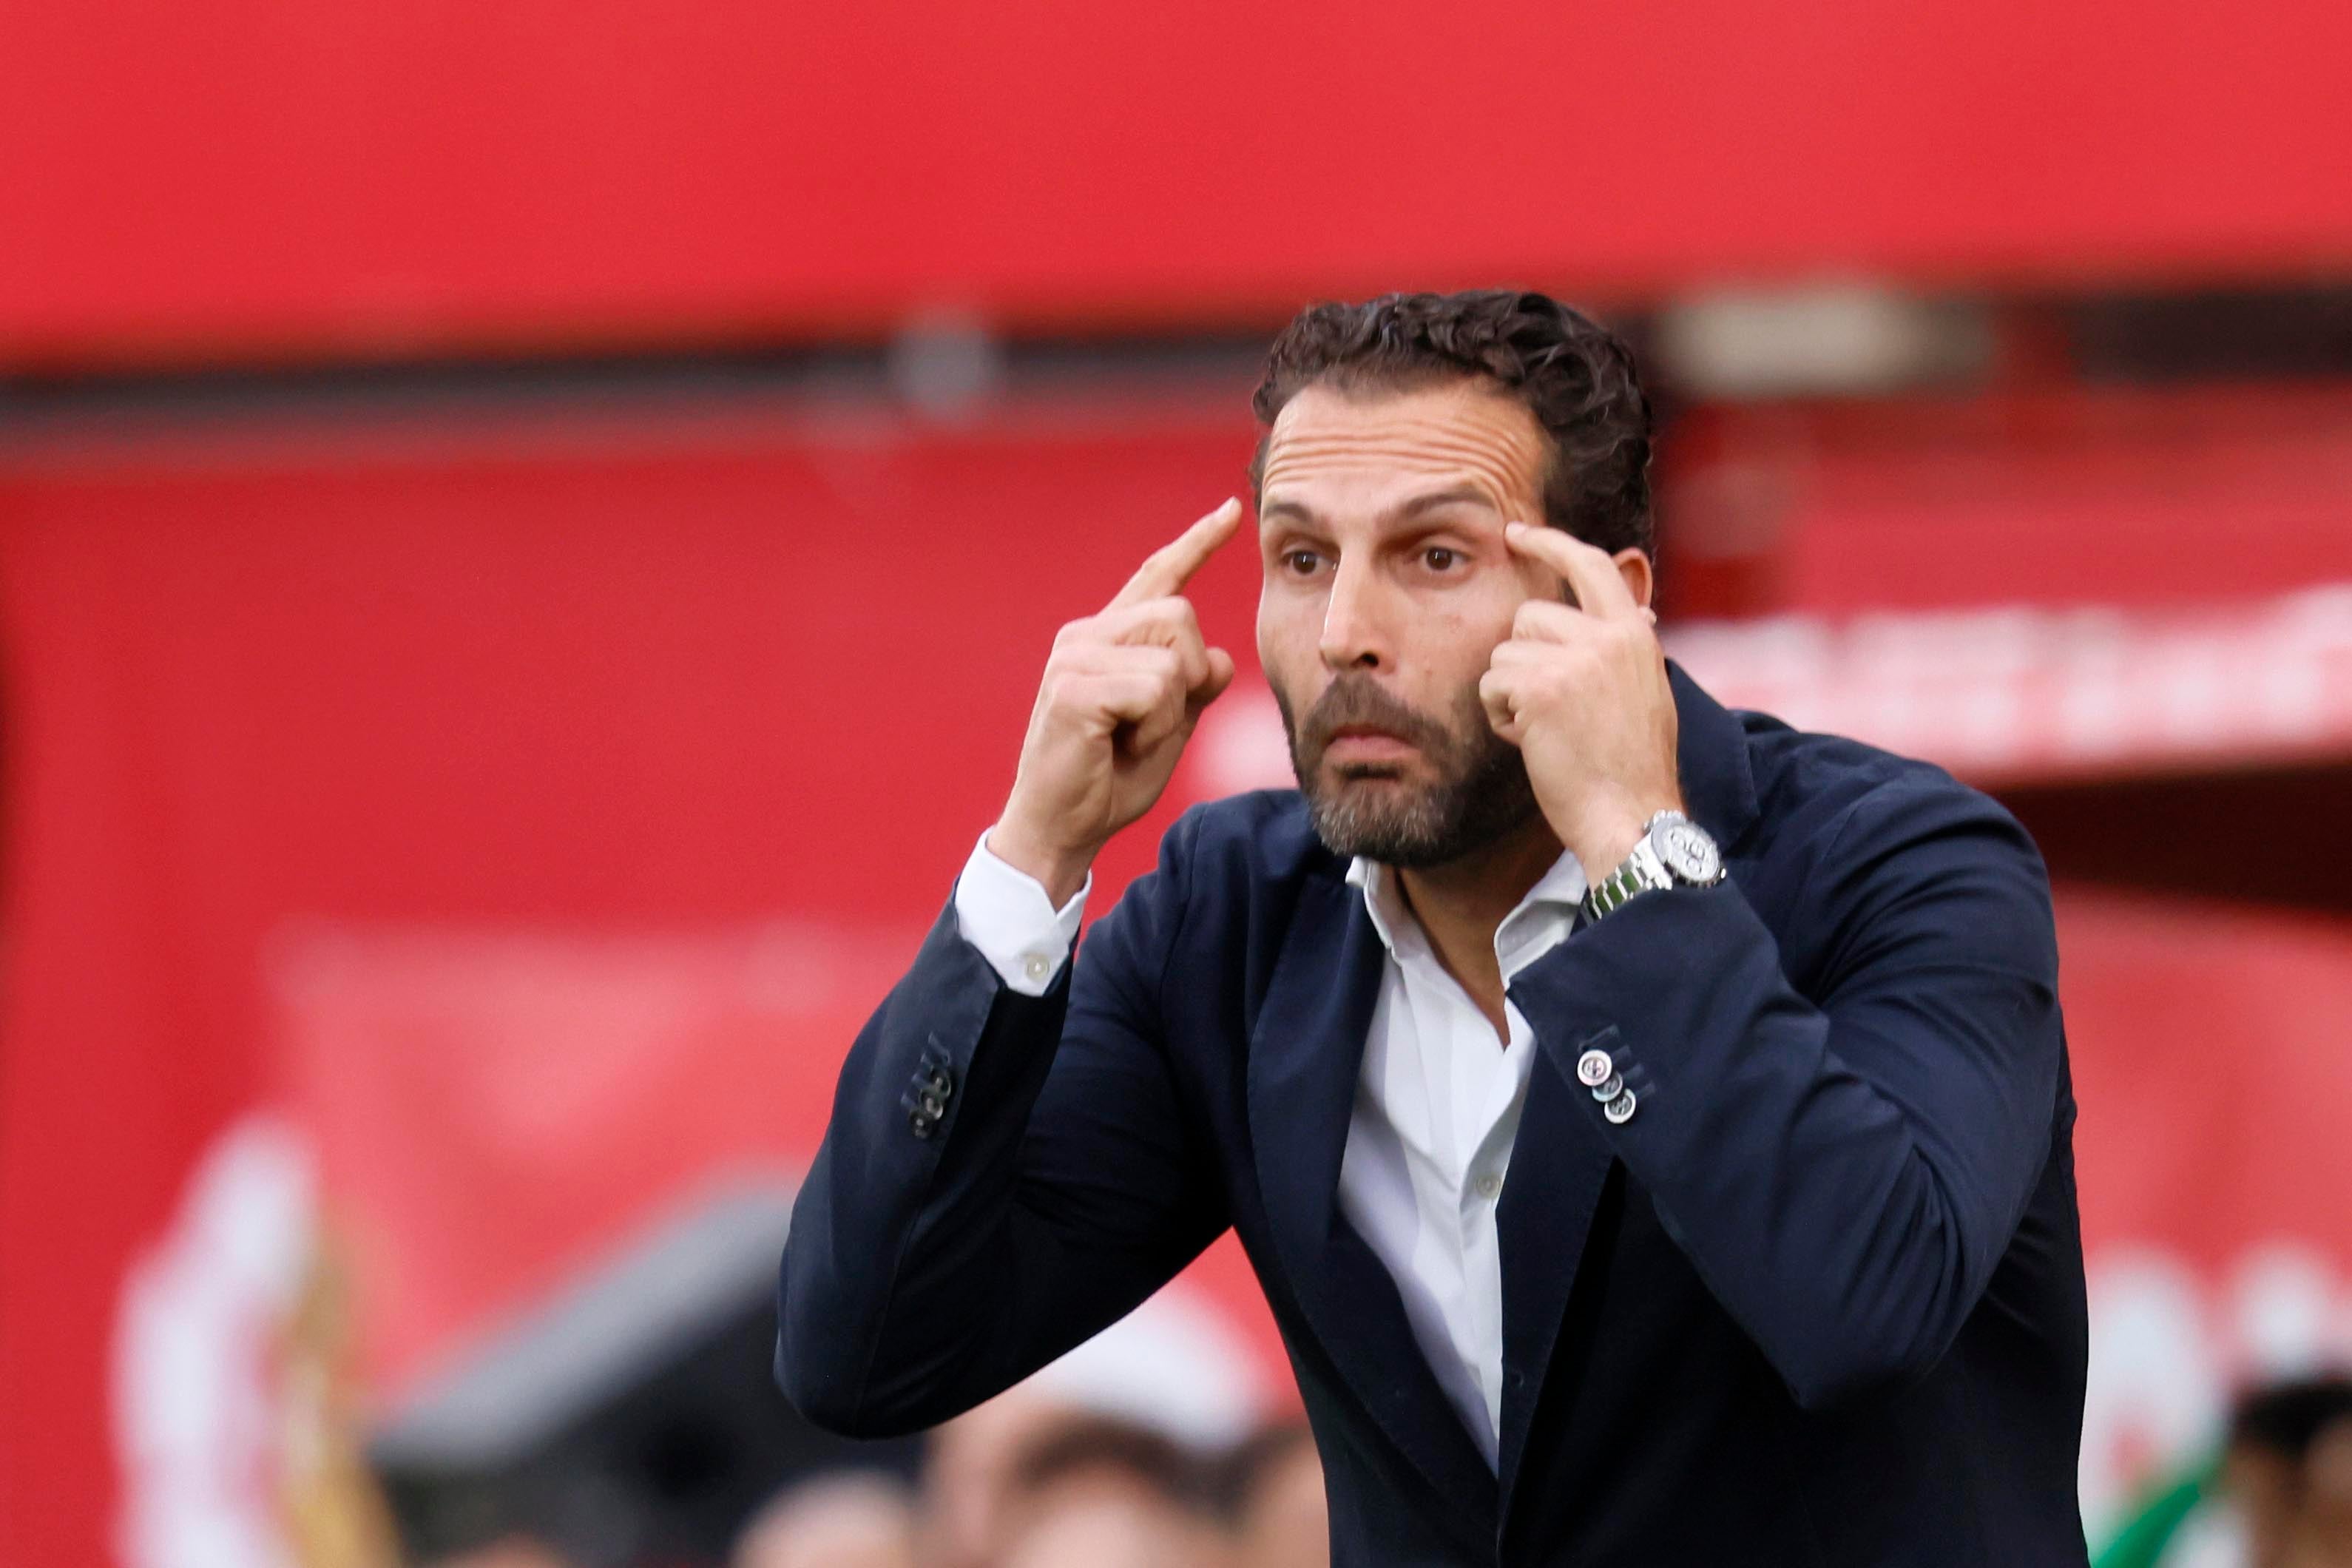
(1387, 587)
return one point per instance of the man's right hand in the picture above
(1121, 693)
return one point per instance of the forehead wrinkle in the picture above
(1499, 454)
(1480, 468)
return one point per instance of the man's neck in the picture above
(1461, 903)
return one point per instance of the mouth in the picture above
(1357, 743)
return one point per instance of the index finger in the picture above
(1589, 572)
(1167, 569)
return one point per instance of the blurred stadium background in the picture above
(527, 533)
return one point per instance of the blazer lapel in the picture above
(1305, 1053)
(1561, 1161)
(1558, 1165)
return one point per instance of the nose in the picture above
(1354, 635)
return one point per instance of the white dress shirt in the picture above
(1437, 1103)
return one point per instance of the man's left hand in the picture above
(1581, 690)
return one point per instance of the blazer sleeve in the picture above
(941, 1252)
(1845, 1175)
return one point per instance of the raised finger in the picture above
(1167, 569)
(1591, 576)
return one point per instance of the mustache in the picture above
(1358, 699)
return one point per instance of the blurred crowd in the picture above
(1157, 1444)
(2283, 1475)
(1033, 1480)
(1025, 1482)
(2289, 1470)
(1051, 1475)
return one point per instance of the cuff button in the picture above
(1620, 1111)
(1594, 1069)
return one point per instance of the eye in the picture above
(1441, 558)
(1301, 562)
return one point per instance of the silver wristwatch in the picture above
(1674, 853)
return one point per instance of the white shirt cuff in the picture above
(1007, 914)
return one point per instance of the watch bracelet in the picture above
(1612, 891)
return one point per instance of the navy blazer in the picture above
(1818, 1301)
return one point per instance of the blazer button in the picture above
(933, 1107)
(1594, 1069)
(920, 1124)
(1610, 1090)
(938, 1083)
(1620, 1111)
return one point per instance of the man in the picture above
(1166, 1369)
(1650, 1125)
(841, 1519)
(1108, 1494)
(2288, 1467)
(1274, 1490)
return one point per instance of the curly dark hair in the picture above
(1574, 375)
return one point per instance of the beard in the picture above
(1481, 794)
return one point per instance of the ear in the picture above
(1634, 565)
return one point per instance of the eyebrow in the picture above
(1452, 495)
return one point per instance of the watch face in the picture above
(1687, 850)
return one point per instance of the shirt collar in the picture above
(1559, 891)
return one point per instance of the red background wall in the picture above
(249, 178)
